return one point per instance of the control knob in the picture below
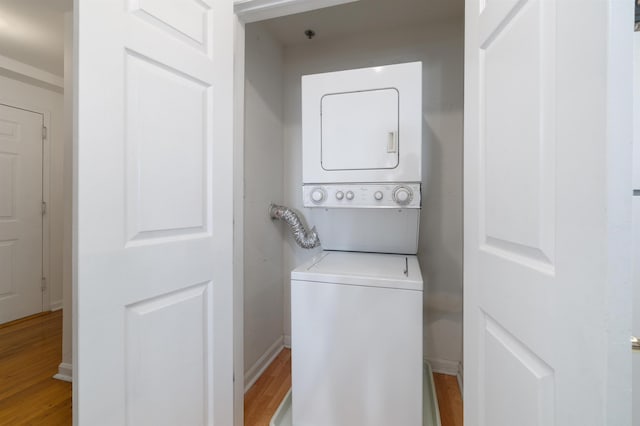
(378, 195)
(402, 195)
(317, 195)
(339, 195)
(350, 195)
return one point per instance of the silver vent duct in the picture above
(305, 238)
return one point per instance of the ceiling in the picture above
(32, 32)
(362, 16)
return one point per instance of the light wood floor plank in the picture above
(264, 397)
(30, 351)
(449, 399)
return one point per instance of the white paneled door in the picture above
(547, 212)
(154, 213)
(21, 139)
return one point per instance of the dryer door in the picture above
(360, 130)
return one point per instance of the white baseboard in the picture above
(65, 372)
(444, 366)
(287, 342)
(55, 306)
(460, 376)
(256, 370)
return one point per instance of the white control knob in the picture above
(402, 195)
(317, 195)
(378, 195)
(350, 195)
(339, 195)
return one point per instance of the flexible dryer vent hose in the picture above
(305, 239)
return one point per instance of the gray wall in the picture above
(263, 164)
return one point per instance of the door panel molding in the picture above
(519, 142)
(510, 367)
(192, 29)
(176, 319)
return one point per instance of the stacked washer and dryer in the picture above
(356, 308)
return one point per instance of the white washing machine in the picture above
(357, 340)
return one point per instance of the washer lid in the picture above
(365, 269)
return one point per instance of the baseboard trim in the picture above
(55, 306)
(460, 376)
(65, 372)
(444, 366)
(287, 342)
(256, 370)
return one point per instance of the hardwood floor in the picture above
(30, 351)
(264, 397)
(449, 399)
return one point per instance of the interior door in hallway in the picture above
(20, 213)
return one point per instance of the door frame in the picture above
(259, 10)
(46, 191)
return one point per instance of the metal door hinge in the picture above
(44, 284)
(635, 343)
(44, 208)
(44, 133)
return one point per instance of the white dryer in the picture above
(357, 335)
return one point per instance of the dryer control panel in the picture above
(362, 195)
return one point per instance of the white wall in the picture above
(13, 92)
(440, 48)
(263, 170)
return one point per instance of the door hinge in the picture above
(44, 132)
(44, 284)
(44, 208)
